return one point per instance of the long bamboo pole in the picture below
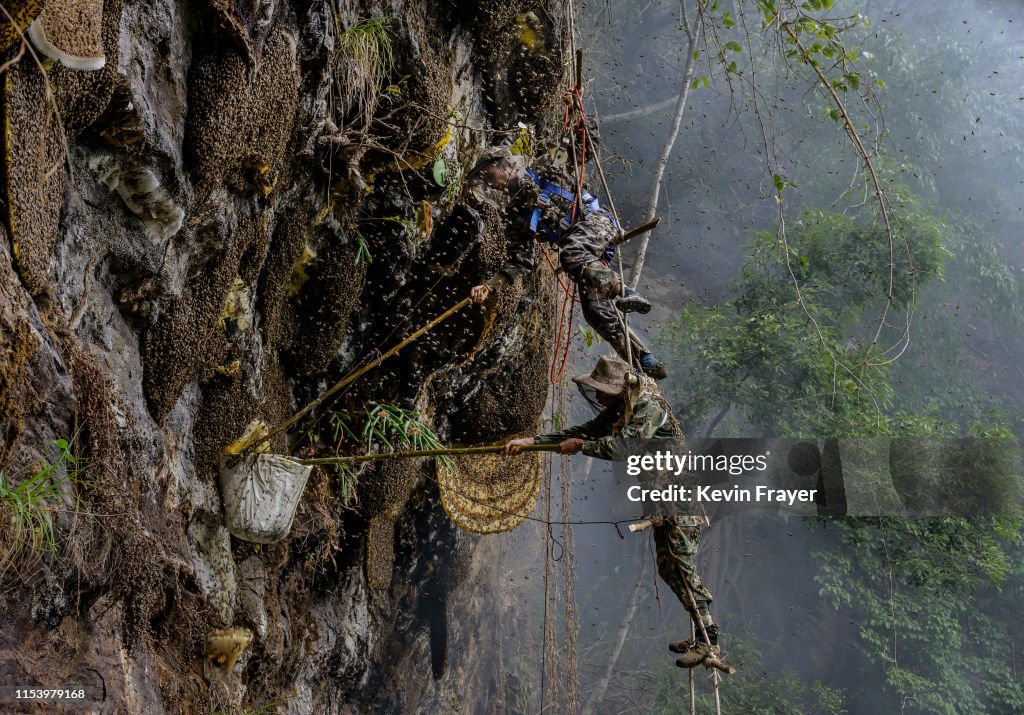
(352, 377)
(413, 453)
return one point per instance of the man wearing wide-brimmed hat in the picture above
(634, 410)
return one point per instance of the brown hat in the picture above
(609, 376)
(71, 33)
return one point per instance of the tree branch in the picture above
(693, 35)
(620, 639)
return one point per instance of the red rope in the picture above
(551, 264)
(573, 101)
(564, 333)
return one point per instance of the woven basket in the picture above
(489, 493)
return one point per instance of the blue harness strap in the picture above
(548, 190)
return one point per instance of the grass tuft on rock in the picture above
(29, 503)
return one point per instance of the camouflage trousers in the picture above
(676, 539)
(581, 251)
(600, 314)
(580, 256)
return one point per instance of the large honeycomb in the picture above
(33, 173)
(185, 343)
(241, 116)
(324, 303)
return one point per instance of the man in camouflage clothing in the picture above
(540, 208)
(635, 410)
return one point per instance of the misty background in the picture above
(854, 616)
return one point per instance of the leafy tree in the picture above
(785, 352)
(937, 602)
(751, 690)
(797, 348)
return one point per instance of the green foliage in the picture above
(935, 601)
(28, 503)
(383, 427)
(848, 262)
(396, 428)
(364, 64)
(949, 589)
(590, 338)
(790, 361)
(754, 689)
(363, 254)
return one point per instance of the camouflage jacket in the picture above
(651, 419)
(522, 248)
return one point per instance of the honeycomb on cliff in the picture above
(17, 346)
(385, 486)
(510, 369)
(186, 342)
(36, 130)
(33, 171)
(229, 405)
(71, 32)
(286, 247)
(241, 117)
(416, 130)
(380, 551)
(322, 308)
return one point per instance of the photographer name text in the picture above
(735, 493)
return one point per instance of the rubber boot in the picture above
(632, 302)
(654, 367)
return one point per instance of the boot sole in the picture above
(641, 309)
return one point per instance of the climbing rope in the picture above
(578, 108)
(568, 564)
(576, 116)
(563, 339)
(563, 332)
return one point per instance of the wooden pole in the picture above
(710, 661)
(353, 376)
(639, 230)
(627, 236)
(693, 674)
(414, 453)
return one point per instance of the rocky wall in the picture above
(243, 204)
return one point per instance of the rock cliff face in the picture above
(248, 200)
